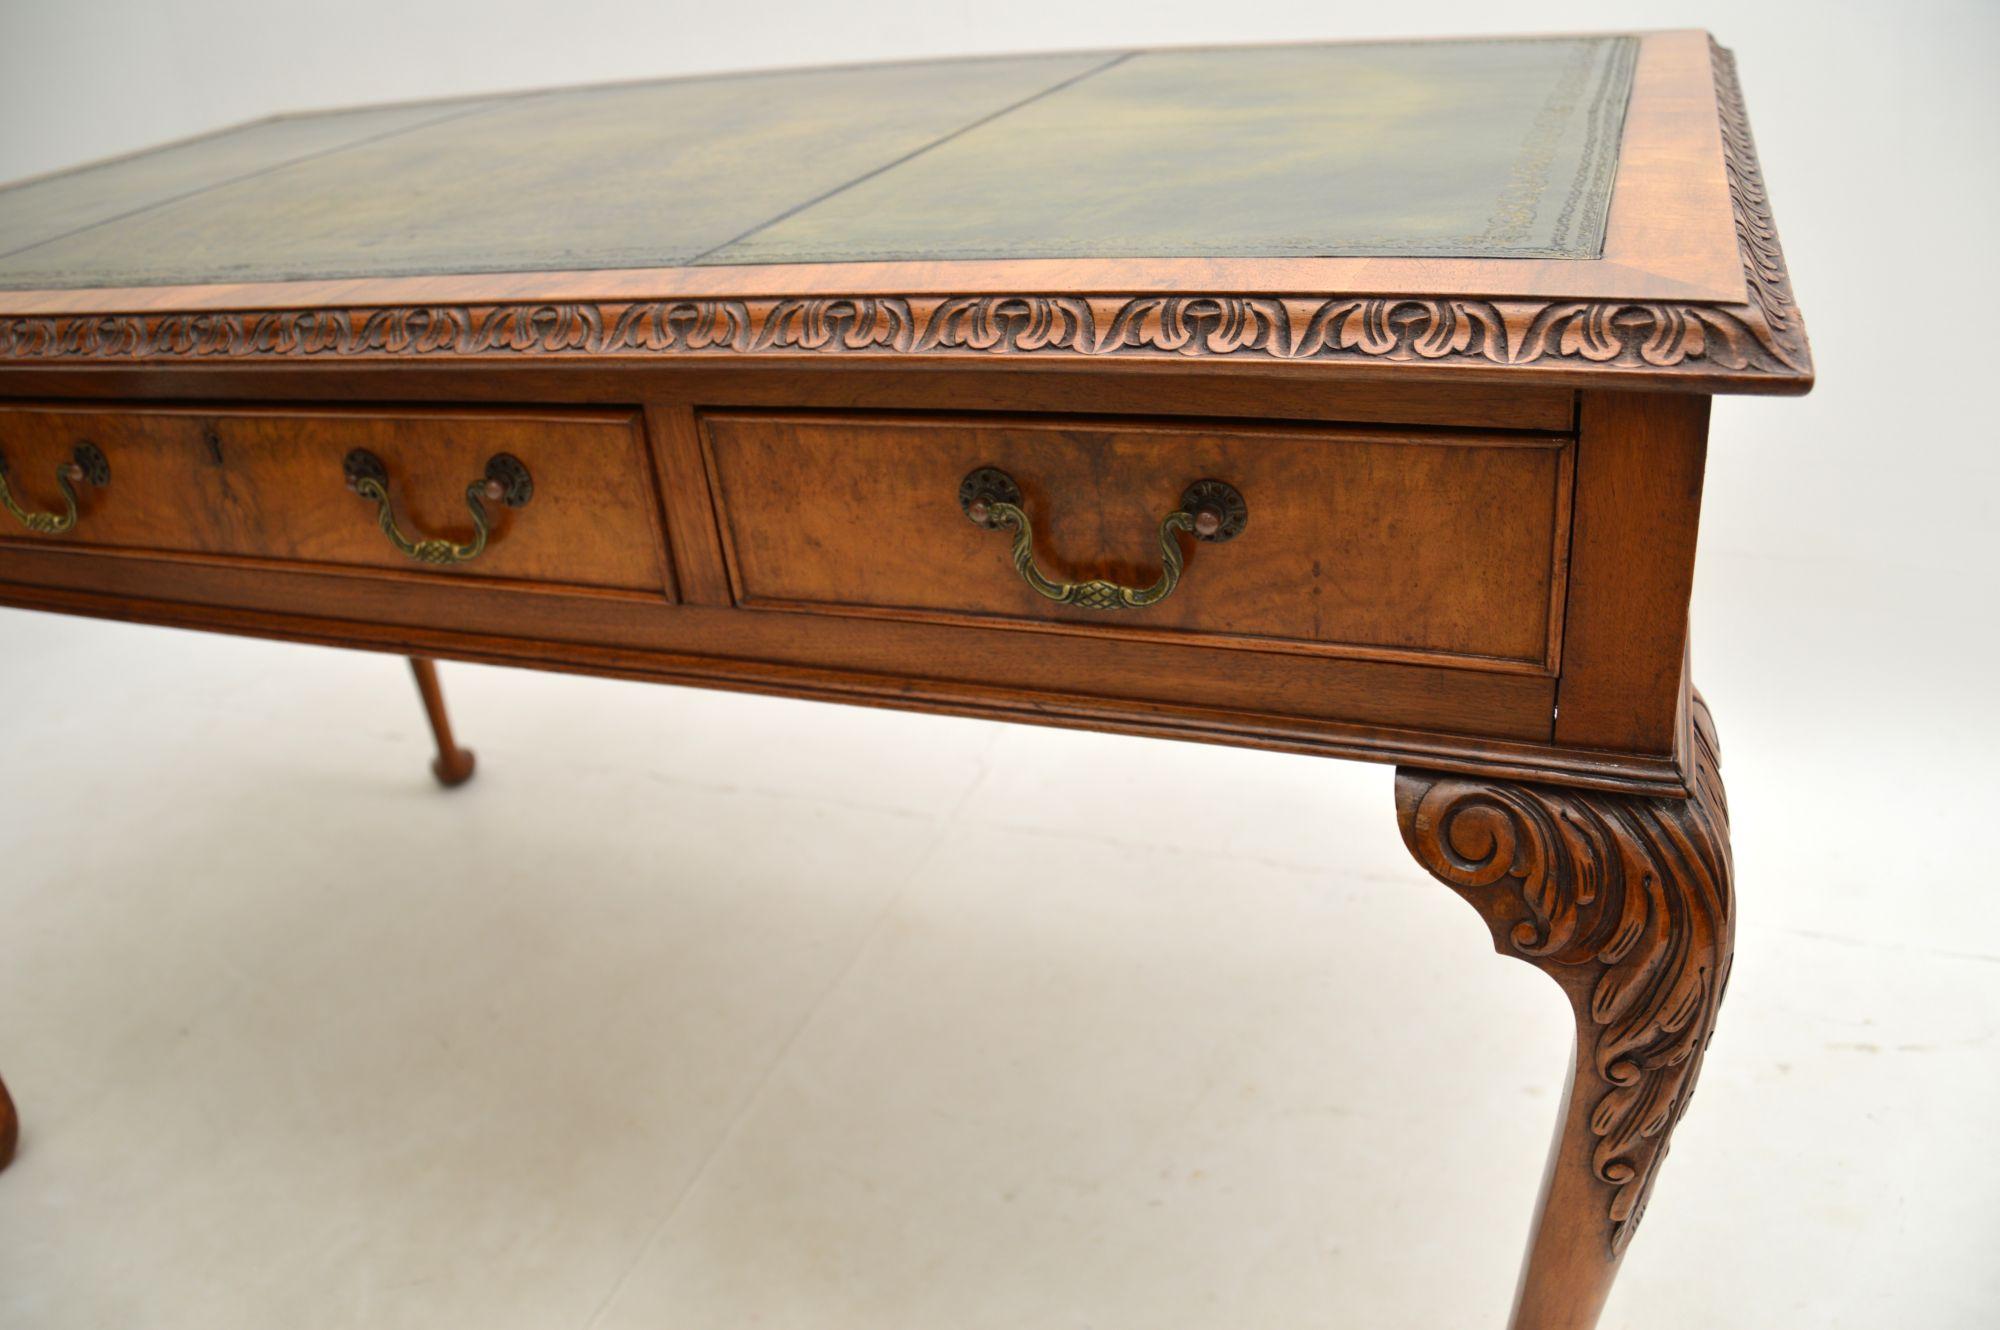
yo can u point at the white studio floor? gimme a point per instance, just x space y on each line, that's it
713 1011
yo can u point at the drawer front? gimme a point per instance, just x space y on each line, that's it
273 484
1426 545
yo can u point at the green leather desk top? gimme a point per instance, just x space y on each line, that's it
1498 148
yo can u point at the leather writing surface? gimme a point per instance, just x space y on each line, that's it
1490 148
619 176
92 195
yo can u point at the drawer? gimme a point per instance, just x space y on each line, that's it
1437 546
273 484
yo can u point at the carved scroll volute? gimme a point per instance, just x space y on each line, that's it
1626 901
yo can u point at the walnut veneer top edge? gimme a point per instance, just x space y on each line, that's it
1687 296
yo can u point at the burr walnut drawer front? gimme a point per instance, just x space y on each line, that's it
547 496
1444 546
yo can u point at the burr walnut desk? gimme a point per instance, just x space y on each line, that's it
1334 399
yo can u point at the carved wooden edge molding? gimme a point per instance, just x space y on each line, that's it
1759 341
1764 273
1627 901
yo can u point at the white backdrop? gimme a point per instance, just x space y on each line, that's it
1846 596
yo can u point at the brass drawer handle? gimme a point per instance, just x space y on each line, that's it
1210 510
506 481
86 464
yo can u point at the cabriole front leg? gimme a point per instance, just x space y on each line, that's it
1626 902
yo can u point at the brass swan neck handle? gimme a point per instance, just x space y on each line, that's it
1211 510
86 464
506 481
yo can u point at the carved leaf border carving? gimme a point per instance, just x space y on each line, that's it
1629 903
1758 339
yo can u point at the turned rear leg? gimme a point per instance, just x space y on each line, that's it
453 765
10 1127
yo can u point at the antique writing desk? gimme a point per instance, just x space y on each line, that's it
1343 399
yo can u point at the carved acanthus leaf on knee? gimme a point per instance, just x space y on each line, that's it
1626 901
